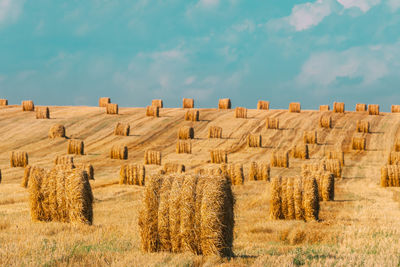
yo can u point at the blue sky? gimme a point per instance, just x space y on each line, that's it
315 52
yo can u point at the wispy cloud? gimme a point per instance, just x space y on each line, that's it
363 5
10 10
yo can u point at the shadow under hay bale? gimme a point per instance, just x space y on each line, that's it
224 103
18 159
361 107
28 105
324 108
3 102
57 130
112 109
103 101
218 156
373 109
76 147
132 174
272 123
254 140
241 113
294 107
192 115
119 152
280 159
122 129
259 172
183 147
300 151
338 107
152 111
358 143
310 137
188 103
362 126
152 157
214 132
157 103
263 105
325 121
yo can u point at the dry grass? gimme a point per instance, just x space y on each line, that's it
76 147
218 156
112 109
254 140
3 102
263 105
300 151
132 174
119 152
192 115
361 107
310 137
184 147
295 107
280 159
324 108
157 103
188 103
186 132
373 109
395 109
170 168
362 126
103 101
18 159
122 129
259 171
338 107
57 130
358 143
241 113
28 105
224 103
152 111
272 123
152 157
42 113
214 132
325 121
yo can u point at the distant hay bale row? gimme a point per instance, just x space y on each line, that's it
224 103
259 171
358 143
280 159
61 160
28 105
395 109
18 159
157 103
60 196
187 213
3 102
294 198
132 174
170 168
324 108
394 158
330 154
361 107
186 132
152 157
122 129
76 147
254 140
183 147
263 105
214 132
218 156
331 165
325 121
373 109
295 107
188 103
272 123
234 172
362 126
103 101
152 111
119 152
42 113
390 176
310 137
326 184
241 112
192 115
57 130
338 107
112 109
300 151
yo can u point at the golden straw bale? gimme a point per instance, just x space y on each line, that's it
254 140
373 109
186 132
290 203
192 115
234 172
358 143
175 203
327 186
76 147
361 107
264 105
112 108
157 103
183 147
188 103
396 146
394 158
219 156
275 207
122 129
28 105
395 109
214 132
188 213
57 130
60 160
310 137
284 199
324 108
152 111
310 199
241 113
132 174
325 121
27 174
280 159
272 123
259 172
331 154
300 151
103 101
88 168
392 173
362 126
42 113
332 165
173 168
338 107
298 198
164 234
152 157
385 176
18 159
295 107
224 103
3 102
119 152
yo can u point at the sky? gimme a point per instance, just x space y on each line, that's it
313 52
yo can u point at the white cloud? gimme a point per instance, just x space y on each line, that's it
10 10
364 5
246 25
307 15
394 4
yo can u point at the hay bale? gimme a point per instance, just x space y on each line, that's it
294 107
219 156
28 105
152 111
395 109
224 103
173 168
241 113
188 103
76 147
325 121
331 154
396 146
103 101
361 107
280 159
18 159
384 176
259 172
327 187
324 108
152 157
175 203
112 109
284 199
57 130
275 207
310 137
164 234
338 107
272 123
132 174
62 160
362 126
358 143
192 115
214 132
394 158
310 199
254 140
373 109
183 147
27 174
186 132
119 152
122 129
298 198
88 168
234 172
188 213
263 105
42 113
290 203
300 151
3 102
157 103
333 166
